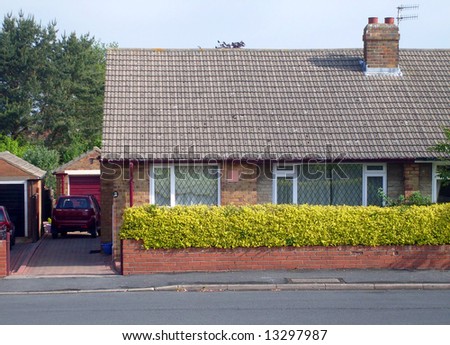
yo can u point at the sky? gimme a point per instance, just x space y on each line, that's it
261 24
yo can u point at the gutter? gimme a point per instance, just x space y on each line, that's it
131 168
261 160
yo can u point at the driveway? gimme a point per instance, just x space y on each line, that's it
76 254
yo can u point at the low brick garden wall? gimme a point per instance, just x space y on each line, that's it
137 260
4 258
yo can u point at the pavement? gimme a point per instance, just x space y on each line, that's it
76 265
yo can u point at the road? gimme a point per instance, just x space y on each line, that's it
229 308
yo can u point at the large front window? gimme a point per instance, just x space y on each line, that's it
441 186
172 185
329 184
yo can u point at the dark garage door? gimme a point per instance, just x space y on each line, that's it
12 197
85 185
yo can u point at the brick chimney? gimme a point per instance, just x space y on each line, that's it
381 47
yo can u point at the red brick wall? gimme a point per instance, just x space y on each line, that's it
116 179
88 161
139 261
239 184
4 258
381 45
8 170
411 174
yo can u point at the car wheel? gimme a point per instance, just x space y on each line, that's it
93 231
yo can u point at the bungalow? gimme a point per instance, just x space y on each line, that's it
244 126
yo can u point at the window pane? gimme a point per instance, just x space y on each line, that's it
347 184
331 184
443 192
374 183
313 185
285 168
162 186
196 185
375 168
443 170
284 190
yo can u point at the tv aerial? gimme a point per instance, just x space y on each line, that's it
402 8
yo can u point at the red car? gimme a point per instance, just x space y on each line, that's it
76 213
5 223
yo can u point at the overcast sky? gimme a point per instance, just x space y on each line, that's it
293 24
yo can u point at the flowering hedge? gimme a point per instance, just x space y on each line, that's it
285 225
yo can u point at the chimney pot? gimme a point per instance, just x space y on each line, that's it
373 20
389 20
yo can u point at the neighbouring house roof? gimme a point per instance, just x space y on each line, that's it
95 152
303 103
23 165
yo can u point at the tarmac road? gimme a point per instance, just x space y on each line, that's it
399 307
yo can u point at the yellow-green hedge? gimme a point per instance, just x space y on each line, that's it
286 225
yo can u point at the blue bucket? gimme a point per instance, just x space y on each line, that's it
107 248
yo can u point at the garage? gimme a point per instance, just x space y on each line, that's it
13 198
88 184
21 192
80 176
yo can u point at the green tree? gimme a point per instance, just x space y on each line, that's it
443 148
51 89
25 47
73 119
13 146
44 159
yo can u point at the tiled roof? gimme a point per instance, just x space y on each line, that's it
61 169
22 164
300 103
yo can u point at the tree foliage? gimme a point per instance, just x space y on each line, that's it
25 50
44 158
51 88
13 146
443 148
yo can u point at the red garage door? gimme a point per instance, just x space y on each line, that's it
82 185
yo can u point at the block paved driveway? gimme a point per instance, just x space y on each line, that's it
76 254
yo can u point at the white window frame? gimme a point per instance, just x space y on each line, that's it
284 173
171 168
373 173
435 178
293 173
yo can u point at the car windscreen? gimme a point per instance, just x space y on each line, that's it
69 203
2 217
